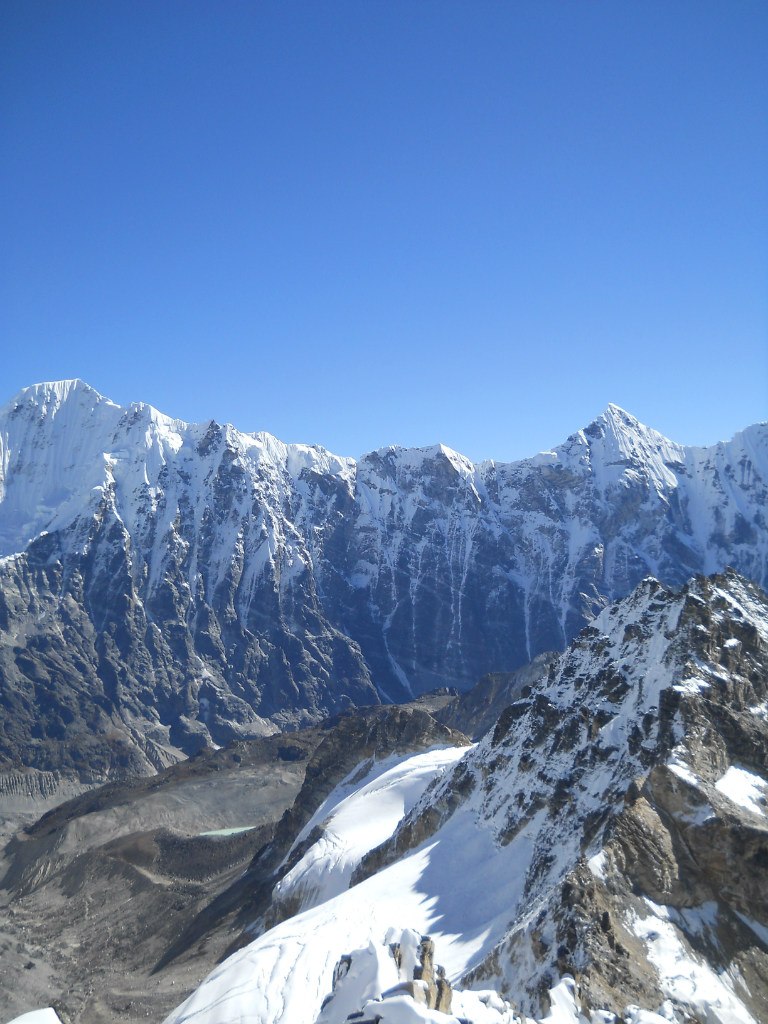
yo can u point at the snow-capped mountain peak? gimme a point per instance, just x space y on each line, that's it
621 450
51 395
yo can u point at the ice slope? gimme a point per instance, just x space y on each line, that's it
52 460
481 855
359 815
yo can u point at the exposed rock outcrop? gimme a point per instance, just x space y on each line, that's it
416 979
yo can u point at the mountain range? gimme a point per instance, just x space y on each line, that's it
167 586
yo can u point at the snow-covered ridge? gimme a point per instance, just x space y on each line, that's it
62 445
59 441
361 813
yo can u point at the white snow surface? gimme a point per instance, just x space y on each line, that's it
45 1016
744 788
597 865
228 831
564 1008
635 1015
359 815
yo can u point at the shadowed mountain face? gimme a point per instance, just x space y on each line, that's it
165 585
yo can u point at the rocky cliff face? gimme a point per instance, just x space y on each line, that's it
165 585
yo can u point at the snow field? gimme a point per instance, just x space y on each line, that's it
357 817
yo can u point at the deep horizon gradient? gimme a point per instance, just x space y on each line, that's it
368 223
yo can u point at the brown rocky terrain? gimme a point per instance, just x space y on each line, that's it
116 904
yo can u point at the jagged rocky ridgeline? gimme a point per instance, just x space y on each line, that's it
166 585
612 828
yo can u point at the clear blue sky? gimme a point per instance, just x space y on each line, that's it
363 222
